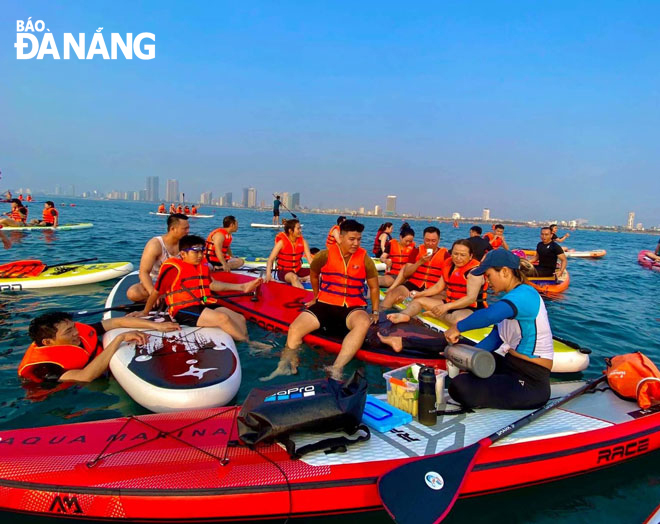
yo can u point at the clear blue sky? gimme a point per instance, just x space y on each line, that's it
533 109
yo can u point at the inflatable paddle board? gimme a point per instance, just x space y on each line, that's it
569 356
61 227
550 286
192 368
69 275
644 260
653 518
260 262
595 253
189 216
189 466
267 226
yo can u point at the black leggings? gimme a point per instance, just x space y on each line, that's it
516 384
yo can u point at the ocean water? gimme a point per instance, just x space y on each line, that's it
611 307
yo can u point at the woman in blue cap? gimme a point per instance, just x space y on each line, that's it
522 329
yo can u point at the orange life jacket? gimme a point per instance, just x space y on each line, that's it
342 282
16 214
194 210
494 240
186 210
20 197
290 256
67 357
179 209
429 273
399 256
210 247
456 281
331 241
161 209
191 287
29 198
49 215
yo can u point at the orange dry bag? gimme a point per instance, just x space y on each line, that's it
634 376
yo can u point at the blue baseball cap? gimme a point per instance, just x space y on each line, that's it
497 258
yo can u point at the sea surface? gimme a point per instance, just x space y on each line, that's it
611 307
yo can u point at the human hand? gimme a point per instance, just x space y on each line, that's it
164 327
134 336
452 335
310 303
226 268
439 310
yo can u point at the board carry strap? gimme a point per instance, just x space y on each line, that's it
330 445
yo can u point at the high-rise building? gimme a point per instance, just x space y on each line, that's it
390 206
485 214
227 200
631 219
152 188
206 198
295 201
286 199
72 190
172 190
377 210
245 196
142 194
251 197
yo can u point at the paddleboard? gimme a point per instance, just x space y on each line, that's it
69 275
188 466
569 356
61 227
644 260
192 368
595 253
267 226
259 262
653 518
189 216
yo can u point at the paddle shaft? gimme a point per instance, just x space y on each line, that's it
71 263
282 204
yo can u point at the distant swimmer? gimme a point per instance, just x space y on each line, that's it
63 350
276 210
399 252
17 216
161 208
553 230
186 284
218 246
333 234
172 209
423 273
338 276
156 251
548 252
382 241
50 216
480 246
193 210
496 238
289 248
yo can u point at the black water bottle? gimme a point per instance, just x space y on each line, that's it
426 403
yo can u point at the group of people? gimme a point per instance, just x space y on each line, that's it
183 209
17 216
177 267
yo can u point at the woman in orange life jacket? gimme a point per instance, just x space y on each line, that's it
161 208
62 350
399 252
17 215
193 210
218 246
179 209
338 309
50 216
381 242
186 210
496 238
186 284
465 293
333 234
423 273
289 248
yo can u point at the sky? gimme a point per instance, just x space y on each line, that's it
536 110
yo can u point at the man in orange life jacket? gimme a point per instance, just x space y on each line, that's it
218 246
333 234
17 215
496 238
63 350
338 275
425 272
186 283
50 216
161 208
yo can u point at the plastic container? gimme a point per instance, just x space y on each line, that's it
403 394
382 417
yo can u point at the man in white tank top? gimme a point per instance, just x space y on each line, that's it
156 251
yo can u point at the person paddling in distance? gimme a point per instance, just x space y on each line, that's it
50 216
465 293
156 251
496 238
63 350
289 248
522 330
276 210
218 246
423 273
186 284
553 230
548 252
333 234
399 252
338 275
17 216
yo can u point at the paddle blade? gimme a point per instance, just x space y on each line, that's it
424 491
22 268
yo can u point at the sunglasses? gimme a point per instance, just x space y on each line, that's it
196 249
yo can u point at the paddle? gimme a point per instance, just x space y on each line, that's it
282 204
125 307
32 268
425 490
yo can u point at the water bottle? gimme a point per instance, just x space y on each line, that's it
426 400
478 361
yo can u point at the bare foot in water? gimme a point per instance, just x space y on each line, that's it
288 365
396 343
398 318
